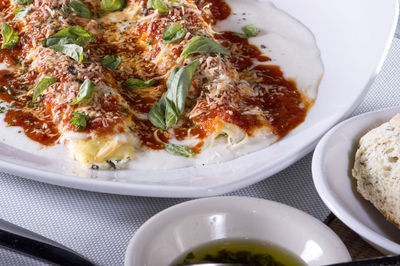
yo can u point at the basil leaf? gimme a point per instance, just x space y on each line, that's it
166 112
72 50
10 37
80 9
23 2
202 44
157 114
174 33
21 12
158 5
133 84
71 35
111 61
85 92
43 84
179 150
248 31
79 120
112 5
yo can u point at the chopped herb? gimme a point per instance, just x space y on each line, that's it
111 61
85 92
168 110
10 37
23 2
79 120
173 33
149 42
158 5
43 84
111 164
21 12
179 150
202 44
80 9
248 31
65 9
133 84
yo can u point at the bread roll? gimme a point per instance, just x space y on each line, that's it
377 168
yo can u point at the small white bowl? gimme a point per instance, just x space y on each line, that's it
175 230
331 167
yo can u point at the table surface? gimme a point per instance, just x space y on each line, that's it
99 226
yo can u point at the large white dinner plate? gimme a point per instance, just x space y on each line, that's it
353 36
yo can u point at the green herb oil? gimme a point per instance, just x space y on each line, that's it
239 250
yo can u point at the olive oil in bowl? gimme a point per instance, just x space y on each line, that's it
239 250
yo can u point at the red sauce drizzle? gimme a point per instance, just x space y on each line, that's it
33 127
220 10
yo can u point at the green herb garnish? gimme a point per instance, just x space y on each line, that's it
179 150
21 12
133 84
174 33
43 84
168 110
111 61
71 35
248 31
72 50
23 2
10 37
79 120
69 41
158 5
112 5
65 9
85 92
80 9
202 44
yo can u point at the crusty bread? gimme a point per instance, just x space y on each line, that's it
377 168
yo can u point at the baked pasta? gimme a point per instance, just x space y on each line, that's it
112 79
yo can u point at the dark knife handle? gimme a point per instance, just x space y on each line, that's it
380 261
41 250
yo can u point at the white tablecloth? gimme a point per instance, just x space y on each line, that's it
99 226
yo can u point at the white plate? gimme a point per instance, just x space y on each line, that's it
353 36
332 163
187 225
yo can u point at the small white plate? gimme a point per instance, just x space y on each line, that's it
331 167
187 225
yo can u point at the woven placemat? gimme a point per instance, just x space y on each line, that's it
358 248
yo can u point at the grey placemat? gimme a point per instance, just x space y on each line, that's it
99 226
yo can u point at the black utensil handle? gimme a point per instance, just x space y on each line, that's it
41 250
380 261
